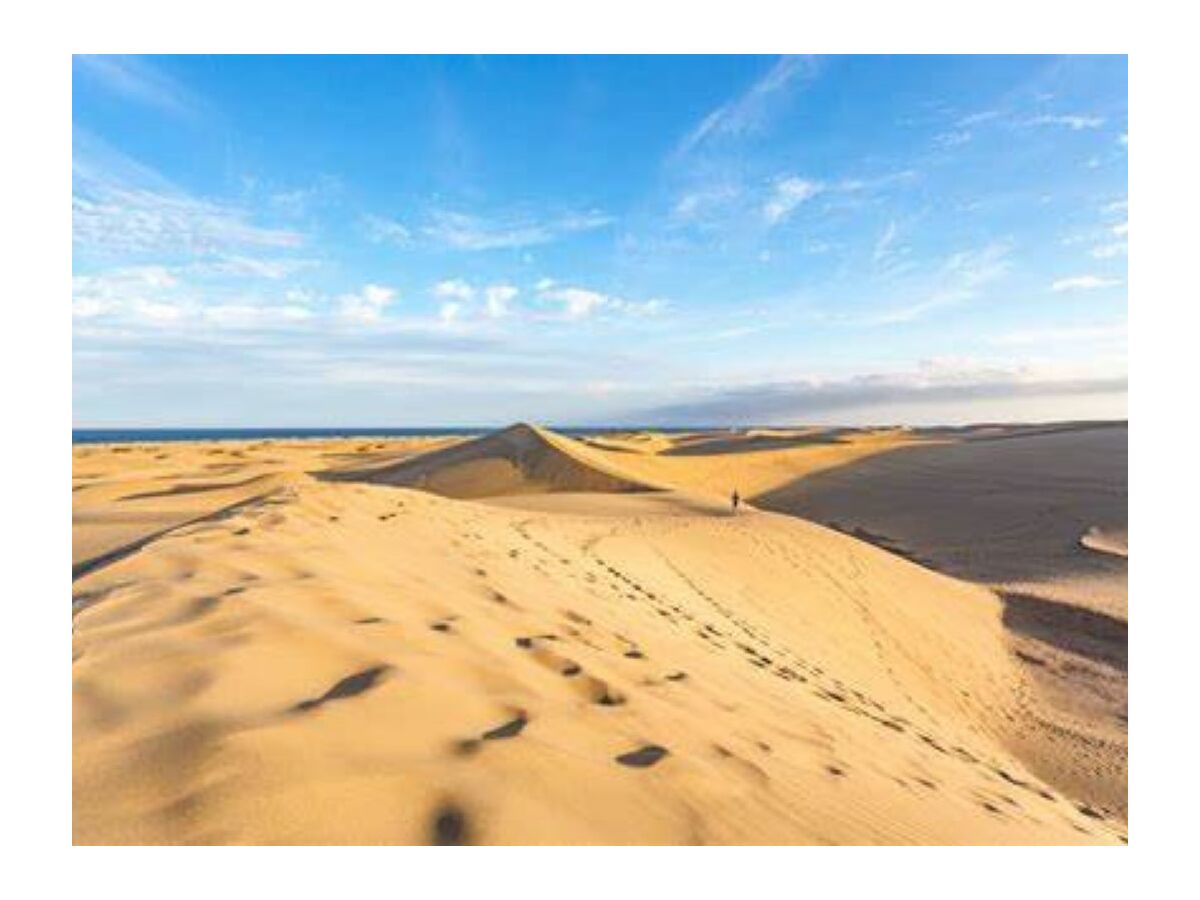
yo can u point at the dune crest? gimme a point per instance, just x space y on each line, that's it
1114 541
520 459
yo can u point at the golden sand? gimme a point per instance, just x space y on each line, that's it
291 642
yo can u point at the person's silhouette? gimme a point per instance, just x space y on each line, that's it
735 500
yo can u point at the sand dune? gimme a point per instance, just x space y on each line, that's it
580 661
1006 507
521 459
753 462
125 495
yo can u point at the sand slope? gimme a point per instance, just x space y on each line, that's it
1038 513
125 495
754 462
356 663
521 459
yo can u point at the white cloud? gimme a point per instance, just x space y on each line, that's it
367 305
749 112
1065 334
1108 251
1083 283
272 269
386 231
979 118
787 194
237 315
157 312
884 244
138 80
959 279
125 289
449 312
580 303
939 384
454 288
1075 123
498 297
952 138
117 218
696 203
468 232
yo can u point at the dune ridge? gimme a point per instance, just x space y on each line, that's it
520 459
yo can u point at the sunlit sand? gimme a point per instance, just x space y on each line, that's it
524 638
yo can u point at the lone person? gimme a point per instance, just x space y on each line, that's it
735 500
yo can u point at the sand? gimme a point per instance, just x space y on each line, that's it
317 650
1039 514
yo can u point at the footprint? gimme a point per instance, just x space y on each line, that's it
643 757
634 654
449 827
509 729
369 620
598 691
677 676
350 686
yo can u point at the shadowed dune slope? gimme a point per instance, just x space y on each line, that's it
353 663
521 459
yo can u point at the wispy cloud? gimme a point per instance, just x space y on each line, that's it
1110 250
274 269
454 289
795 401
1083 283
385 231
749 112
576 303
1073 122
138 79
699 203
369 304
462 231
120 206
1107 332
790 192
959 279
949 139
884 244
786 195
497 298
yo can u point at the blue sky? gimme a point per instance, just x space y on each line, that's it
308 241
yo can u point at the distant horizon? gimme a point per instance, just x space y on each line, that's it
181 433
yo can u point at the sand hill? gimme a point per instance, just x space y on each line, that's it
521 459
344 662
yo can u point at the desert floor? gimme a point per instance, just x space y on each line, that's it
530 639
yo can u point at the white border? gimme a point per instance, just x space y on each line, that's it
35 323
